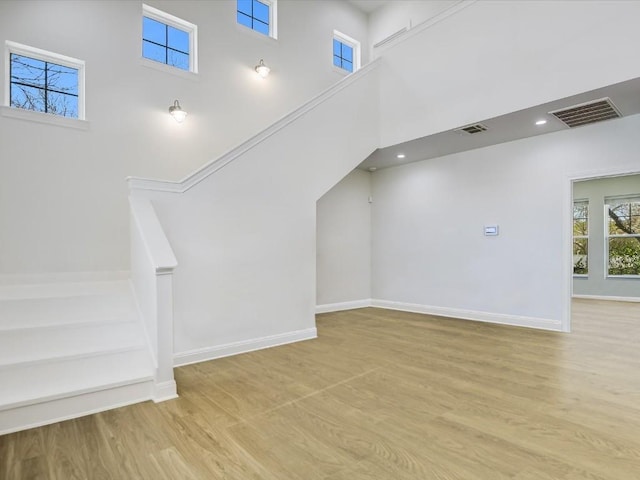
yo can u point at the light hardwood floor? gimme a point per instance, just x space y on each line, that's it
379 395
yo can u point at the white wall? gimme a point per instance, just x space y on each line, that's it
63 198
245 236
428 217
595 191
495 57
343 245
400 14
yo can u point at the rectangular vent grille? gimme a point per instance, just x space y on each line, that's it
472 129
587 113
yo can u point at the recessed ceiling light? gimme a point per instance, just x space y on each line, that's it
372 169
541 122
400 155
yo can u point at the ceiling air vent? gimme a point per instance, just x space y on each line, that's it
586 113
471 129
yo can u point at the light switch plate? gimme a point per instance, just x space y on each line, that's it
491 230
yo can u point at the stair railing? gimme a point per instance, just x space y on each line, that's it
152 264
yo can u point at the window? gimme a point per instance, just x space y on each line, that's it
580 237
623 235
342 55
45 82
258 15
346 52
168 39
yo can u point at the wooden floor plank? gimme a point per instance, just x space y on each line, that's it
379 395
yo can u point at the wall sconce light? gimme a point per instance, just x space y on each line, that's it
262 69
177 112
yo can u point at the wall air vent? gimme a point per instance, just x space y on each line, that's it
472 129
587 113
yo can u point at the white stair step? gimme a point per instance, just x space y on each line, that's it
38 312
70 349
42 344
45 413
48 290
43 382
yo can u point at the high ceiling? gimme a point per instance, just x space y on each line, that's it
513 126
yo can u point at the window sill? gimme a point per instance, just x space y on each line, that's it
162 67
40 117
632 277
580 275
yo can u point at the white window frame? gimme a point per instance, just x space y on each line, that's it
607 236
586 237
353 43
273 20
45 56
179 23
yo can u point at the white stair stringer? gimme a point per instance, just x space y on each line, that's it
68 350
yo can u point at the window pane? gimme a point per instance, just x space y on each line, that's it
580 218
178 40
624 256
261 12
580 256
62 79
337 61
61 104
154 52
27 70
178 59
154 31
347 53
261 27
580 209
244 6
348 66
623 220
336 48
580 227
244 20
29 98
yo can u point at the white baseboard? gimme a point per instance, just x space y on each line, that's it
218 351
165 391
338 307
499 318
609 298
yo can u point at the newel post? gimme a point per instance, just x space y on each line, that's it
165 384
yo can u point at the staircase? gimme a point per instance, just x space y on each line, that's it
68 350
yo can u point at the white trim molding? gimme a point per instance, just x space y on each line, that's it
341 306
608 298
41 117
411 30
164 391
497 318
181 359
